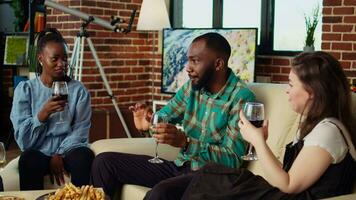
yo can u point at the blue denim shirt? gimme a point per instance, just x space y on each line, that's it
50 137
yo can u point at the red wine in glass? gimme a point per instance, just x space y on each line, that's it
60 90
254 113
61 96
257 123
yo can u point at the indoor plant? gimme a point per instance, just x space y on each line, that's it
311 22
19 7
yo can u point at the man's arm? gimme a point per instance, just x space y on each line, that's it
174 109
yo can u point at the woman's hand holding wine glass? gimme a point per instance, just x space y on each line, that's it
60 92
251 121
54 104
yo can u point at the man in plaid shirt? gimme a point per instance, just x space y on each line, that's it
207 106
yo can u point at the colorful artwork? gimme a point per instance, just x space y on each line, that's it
176 43
16 50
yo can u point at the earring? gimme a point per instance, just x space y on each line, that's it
41 63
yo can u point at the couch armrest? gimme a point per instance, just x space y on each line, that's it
142 146
10 176
343 197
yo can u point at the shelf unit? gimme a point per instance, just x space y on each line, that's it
6 99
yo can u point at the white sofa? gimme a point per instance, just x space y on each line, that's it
282 127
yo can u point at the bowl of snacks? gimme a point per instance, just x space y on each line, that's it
70 191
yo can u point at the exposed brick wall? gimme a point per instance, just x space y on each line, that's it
6 81
276 67
126 58
131 65
339 33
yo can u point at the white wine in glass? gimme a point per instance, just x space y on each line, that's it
2 156
254 113
157 118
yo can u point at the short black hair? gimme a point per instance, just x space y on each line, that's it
216 42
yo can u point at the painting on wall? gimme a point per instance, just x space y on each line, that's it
176 43
15 50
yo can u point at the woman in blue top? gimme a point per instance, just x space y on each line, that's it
48 147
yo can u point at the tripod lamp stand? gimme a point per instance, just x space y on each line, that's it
76 61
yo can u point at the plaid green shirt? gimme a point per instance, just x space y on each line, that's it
210 120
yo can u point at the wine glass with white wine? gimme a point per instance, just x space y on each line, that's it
157 118
2 156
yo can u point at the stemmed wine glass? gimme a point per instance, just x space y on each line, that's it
2 156
60 88
157 118
254 113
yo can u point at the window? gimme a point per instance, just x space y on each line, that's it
289 32
193 20
242 13
280 22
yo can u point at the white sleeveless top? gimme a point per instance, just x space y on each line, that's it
327 135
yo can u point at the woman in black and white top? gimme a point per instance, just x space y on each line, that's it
319 163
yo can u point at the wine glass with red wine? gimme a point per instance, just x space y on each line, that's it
60 90
254 113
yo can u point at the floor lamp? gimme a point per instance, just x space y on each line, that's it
153 17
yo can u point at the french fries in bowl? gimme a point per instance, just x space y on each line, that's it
70 191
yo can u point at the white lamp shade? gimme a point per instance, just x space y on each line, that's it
153 15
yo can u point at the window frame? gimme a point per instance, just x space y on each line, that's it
267 24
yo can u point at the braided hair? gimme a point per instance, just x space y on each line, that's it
43 38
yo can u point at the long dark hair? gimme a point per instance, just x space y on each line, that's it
44 37
322 76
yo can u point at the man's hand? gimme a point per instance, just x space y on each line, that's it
54 104
142 116
57 170
169 134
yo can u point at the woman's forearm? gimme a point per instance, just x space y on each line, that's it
272 168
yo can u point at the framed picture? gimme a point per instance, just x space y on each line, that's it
176 43
16 47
